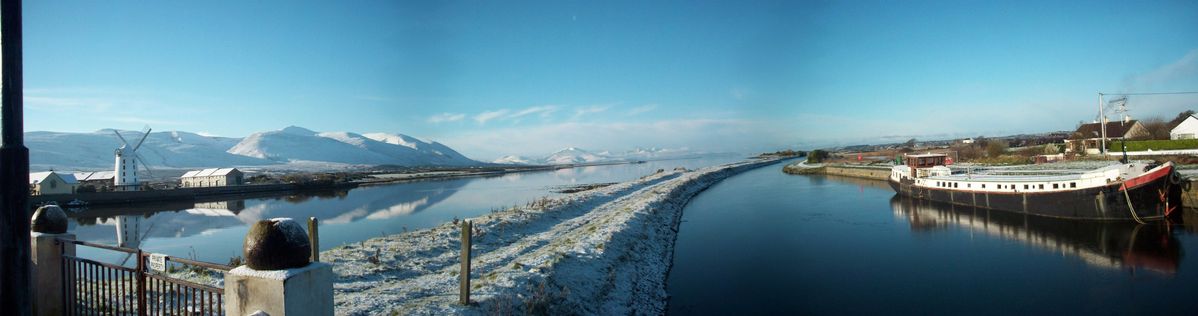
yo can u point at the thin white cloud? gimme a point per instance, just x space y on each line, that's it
1186 67
588 110
544 111
142 120
739 93
446 117
712 135
483 117
374 98
642 109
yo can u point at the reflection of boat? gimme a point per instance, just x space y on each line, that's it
1103 244
1128 191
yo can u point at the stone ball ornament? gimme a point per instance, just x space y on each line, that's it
49 219
276 244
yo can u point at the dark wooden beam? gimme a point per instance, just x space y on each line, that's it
14 170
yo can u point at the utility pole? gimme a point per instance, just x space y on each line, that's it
14 169
1102 124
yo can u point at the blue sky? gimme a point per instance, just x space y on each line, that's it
496 77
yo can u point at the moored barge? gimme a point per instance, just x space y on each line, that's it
1126 191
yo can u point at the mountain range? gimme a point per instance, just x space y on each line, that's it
574 155
288 146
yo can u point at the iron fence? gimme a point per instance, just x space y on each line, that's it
97 288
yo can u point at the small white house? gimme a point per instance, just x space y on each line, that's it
213 177
51 182
1188 129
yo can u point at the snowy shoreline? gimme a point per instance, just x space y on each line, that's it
600 251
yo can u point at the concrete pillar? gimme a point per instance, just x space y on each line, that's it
47 271
306 290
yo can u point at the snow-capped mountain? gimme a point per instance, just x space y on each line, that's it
300 144
516 160
180 150
66 151
573 155
437 152
655 153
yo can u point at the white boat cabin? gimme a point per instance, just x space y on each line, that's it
929 171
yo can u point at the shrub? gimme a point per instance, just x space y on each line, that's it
816 156
1143 145
86 188
995 148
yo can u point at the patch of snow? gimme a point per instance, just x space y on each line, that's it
601 251
279 275
291 229
515 160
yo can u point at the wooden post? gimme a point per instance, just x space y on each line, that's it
314 238
141 284
464 276
15 258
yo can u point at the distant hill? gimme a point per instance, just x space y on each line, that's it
575 155
288 146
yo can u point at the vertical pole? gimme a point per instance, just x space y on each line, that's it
464 276
314 238
141 284
15 262
1102 125
65 277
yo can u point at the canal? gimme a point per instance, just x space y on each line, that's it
764 242
214 231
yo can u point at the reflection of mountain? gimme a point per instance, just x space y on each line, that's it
372 203
1104 244
138 225
377 202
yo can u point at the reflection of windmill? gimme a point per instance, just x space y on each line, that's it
129 233
125 174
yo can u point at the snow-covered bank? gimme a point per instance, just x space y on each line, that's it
601 251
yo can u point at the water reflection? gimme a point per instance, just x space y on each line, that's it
1115 245
214 230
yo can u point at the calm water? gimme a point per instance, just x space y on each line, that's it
214 231
764 242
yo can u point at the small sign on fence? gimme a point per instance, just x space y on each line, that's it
158 262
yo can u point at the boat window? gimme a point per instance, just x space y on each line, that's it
968 185
1054 185
1025 187
1041 186
1072 184
983 185
955 184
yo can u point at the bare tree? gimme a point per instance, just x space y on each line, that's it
1157 128
1180 117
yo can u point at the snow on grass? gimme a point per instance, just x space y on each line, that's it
601 251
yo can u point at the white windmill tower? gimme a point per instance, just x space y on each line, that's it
125 175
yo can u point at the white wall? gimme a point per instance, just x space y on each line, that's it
1188 129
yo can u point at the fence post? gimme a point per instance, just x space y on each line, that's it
278 277
314 238
464 276
49 224
141 284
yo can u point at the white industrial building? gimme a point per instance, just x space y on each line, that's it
213 177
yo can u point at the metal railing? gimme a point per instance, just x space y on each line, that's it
97 288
